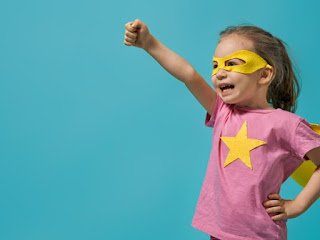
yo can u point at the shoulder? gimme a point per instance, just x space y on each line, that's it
301 132
287 118
288 114
219 112
283 125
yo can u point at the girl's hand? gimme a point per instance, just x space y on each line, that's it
281 209
137 34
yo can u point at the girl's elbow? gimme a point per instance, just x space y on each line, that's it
191 75
314 156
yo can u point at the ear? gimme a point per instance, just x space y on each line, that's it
266 76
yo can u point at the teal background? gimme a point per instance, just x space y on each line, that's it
97 141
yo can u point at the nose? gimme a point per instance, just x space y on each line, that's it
221 74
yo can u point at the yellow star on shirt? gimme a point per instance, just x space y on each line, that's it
240 146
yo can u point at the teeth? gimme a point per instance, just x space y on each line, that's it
225 86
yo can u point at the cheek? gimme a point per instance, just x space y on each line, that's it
214 79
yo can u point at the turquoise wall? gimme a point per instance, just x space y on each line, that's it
97 140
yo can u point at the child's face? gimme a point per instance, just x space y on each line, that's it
234 87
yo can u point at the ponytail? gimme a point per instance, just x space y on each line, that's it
284 89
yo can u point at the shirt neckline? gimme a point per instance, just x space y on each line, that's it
258 110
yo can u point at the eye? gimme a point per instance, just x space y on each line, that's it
231 63
215 65
234 62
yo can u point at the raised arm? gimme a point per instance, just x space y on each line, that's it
137 34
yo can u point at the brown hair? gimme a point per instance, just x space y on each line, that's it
284 88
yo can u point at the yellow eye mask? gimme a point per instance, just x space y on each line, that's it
252 62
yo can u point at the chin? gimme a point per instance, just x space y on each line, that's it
228 100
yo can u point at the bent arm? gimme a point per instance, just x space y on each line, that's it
311 192
183 71
281 209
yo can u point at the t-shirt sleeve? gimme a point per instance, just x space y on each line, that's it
305 139
210 119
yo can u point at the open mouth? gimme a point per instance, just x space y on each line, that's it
224 87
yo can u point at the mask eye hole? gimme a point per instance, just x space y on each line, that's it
234 62
215 65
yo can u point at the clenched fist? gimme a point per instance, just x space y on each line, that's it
137 34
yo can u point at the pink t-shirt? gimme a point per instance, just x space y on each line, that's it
238 180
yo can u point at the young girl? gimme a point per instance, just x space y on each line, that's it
257 141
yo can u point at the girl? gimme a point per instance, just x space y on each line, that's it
257 141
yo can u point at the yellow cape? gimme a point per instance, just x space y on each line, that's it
303 173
